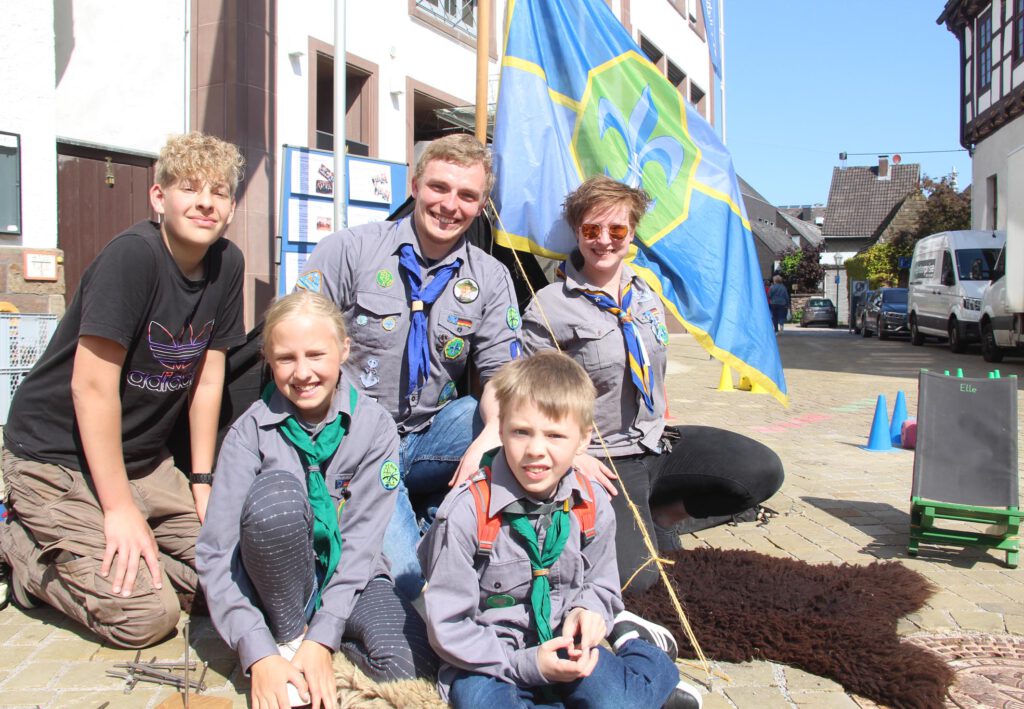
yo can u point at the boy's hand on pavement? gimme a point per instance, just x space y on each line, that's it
128 537
314 661
270 677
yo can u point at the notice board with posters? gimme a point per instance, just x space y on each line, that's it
376 188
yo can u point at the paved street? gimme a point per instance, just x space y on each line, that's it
839 504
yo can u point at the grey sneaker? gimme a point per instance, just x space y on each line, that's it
629 626
684 696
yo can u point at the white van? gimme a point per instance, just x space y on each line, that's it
948 278
1002 330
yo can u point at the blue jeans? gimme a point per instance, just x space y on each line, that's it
640 676
428 460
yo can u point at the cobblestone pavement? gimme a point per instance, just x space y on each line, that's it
839 503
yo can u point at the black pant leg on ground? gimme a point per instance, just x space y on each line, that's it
385 637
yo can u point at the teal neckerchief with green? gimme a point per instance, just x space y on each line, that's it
540 559
326 532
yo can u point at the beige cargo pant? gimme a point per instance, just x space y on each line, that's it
54 542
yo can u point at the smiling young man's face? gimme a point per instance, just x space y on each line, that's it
448 197
539 449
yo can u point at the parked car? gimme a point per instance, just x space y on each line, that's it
862 303
885 314
819 311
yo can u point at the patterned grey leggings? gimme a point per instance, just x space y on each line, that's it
384 636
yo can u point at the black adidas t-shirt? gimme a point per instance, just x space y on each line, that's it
134 294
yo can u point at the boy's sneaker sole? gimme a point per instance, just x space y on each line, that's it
684 696
629 626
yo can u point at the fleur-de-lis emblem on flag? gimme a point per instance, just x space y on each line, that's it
664 150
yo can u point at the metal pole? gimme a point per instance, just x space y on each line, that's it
340 102
483 33
721 49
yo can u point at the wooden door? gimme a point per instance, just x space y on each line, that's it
99 195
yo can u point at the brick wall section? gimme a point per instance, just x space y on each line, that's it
30 296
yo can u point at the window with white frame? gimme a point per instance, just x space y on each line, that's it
10 183
459 14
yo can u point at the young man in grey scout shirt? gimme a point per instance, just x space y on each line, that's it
420 303
522 580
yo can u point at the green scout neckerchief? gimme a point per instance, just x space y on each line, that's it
540 560
326 532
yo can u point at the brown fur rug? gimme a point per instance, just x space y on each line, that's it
832 621
355 689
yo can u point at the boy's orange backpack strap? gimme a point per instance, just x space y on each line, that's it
486 527
586 510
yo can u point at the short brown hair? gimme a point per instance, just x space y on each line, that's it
601 193
197 155
302 302
554 382
459 148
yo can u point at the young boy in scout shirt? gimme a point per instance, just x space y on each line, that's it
420 303
522 584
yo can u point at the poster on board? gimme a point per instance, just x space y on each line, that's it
369 182
309 220
312 174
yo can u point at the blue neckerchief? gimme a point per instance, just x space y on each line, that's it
639 367
417 347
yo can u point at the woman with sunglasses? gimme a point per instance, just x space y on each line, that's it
608 319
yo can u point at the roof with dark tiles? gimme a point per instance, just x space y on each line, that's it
858 202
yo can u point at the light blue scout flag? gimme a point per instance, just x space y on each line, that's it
578 99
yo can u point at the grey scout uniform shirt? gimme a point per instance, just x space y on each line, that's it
368 453
593 338
502 642
475 317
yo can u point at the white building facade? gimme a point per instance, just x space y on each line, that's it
93 88
991 38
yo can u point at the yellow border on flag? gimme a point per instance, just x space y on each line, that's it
707 342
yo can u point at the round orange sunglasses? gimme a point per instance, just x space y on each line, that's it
616 232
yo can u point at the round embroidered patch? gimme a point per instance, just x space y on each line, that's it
512 318
389 475
662 332
466 290
454 347
384 278
500 600
447 394
389 323
361 319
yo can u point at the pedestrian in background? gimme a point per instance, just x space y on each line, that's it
778 302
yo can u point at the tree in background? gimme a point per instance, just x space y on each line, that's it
945 210
802 267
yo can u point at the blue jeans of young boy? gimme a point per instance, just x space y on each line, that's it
641 676
428 460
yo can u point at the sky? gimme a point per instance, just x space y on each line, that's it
808 79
